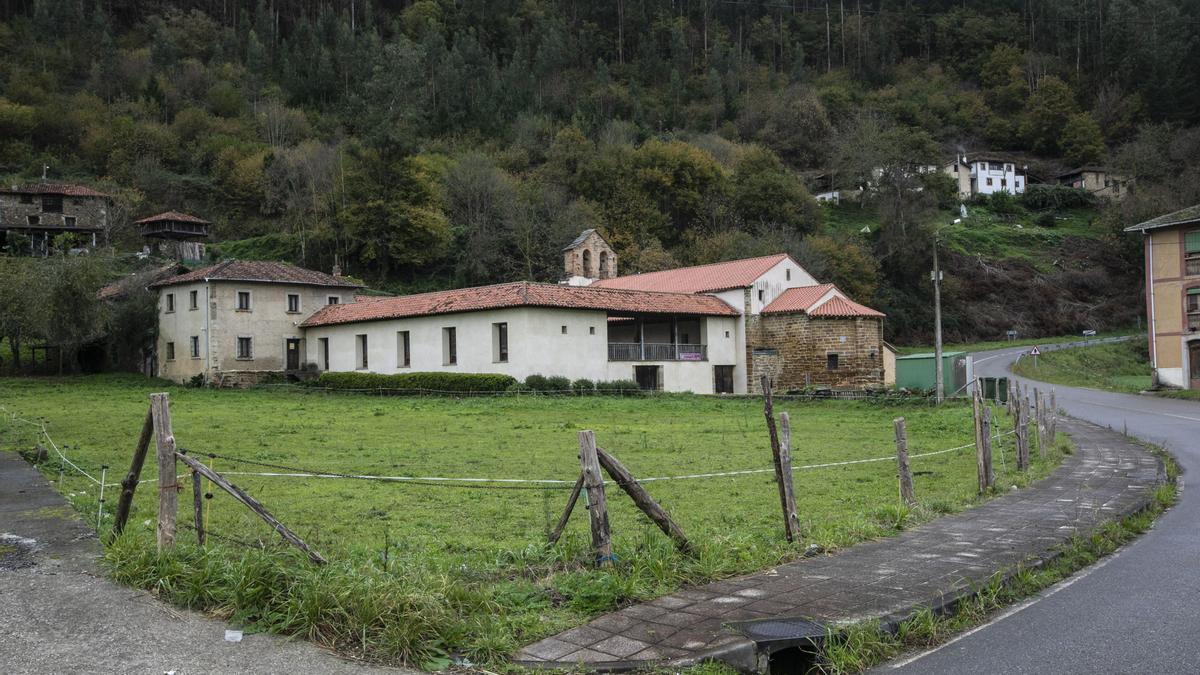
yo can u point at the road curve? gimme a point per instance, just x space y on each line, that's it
1136 612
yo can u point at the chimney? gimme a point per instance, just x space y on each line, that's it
337 270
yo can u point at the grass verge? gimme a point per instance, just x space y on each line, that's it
423 574
973 347
1115 366
867 644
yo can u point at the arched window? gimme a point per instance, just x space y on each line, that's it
587 263
604 271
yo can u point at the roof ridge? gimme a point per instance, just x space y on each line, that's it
712 264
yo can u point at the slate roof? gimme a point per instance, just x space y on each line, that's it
807 300
258 271
56 189
172 216
520 294
700 279
580 239
1181 217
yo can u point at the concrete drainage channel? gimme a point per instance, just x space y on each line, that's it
788 645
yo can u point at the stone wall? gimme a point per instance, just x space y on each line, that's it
87 212
793 351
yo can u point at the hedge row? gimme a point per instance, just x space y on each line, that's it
558 384
447 382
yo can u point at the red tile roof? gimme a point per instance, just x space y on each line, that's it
521 294
261 271
172 216
806 299
56 189
700 279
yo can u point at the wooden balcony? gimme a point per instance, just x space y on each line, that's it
656 351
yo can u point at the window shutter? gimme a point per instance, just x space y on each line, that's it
1193 291
1191 242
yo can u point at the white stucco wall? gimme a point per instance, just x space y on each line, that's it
536 343
784 275
178 327
1013 183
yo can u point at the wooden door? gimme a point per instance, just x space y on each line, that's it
293 354
1194 364
723 379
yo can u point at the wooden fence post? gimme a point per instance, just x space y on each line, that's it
252 504
1040 402
625 480
1019 436
785 474
164 443
773 434
1053 418
130 482
906 484
566 514
198 507
593 482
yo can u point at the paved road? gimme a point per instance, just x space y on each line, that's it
58 614
1134 613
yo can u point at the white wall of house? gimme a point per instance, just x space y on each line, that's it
177 327
992 177
571 343
784 275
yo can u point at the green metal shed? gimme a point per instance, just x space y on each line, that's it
916 371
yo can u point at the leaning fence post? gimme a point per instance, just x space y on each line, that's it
566 514
906 484
164 442
1019 438
985 478
625 480
977 418
593 482
130 482
773 434
785 474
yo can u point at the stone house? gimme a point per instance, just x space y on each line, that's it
1098 181
236 321
31 216
1172 250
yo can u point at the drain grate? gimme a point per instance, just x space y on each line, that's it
791 630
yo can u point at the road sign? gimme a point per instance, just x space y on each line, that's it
1089 333
1035 351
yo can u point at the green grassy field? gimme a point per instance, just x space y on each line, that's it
422 572
1005 344
1120 366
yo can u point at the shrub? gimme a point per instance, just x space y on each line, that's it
1046 220
536 382
519 388
558 383
1040 197
437 382
619 388
583 386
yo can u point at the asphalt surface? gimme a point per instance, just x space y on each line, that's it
1135 612
58 614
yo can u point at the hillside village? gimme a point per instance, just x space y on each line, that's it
510 336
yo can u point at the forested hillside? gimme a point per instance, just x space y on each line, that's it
435 143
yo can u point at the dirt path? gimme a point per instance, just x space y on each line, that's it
59 614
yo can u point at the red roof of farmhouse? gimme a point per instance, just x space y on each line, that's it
56 189
807 299
700 279
520 294
259 271
172 216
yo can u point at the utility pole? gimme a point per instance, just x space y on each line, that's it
939 386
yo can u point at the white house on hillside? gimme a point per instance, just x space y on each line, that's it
986 174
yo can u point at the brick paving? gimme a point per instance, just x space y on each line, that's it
1108 477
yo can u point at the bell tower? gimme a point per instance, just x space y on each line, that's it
589 258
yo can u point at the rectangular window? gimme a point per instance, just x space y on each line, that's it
787 274
591 330
193 299
564 330
360 351
170 302
323 346
170 351
1191 253
500 342
449 346
831 361
245 348
243 301
1193 309
332 300
761 294
403 350
195 345
293 303
33 220
69 221
52 203
989 182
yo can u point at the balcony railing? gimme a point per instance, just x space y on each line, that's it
652 351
